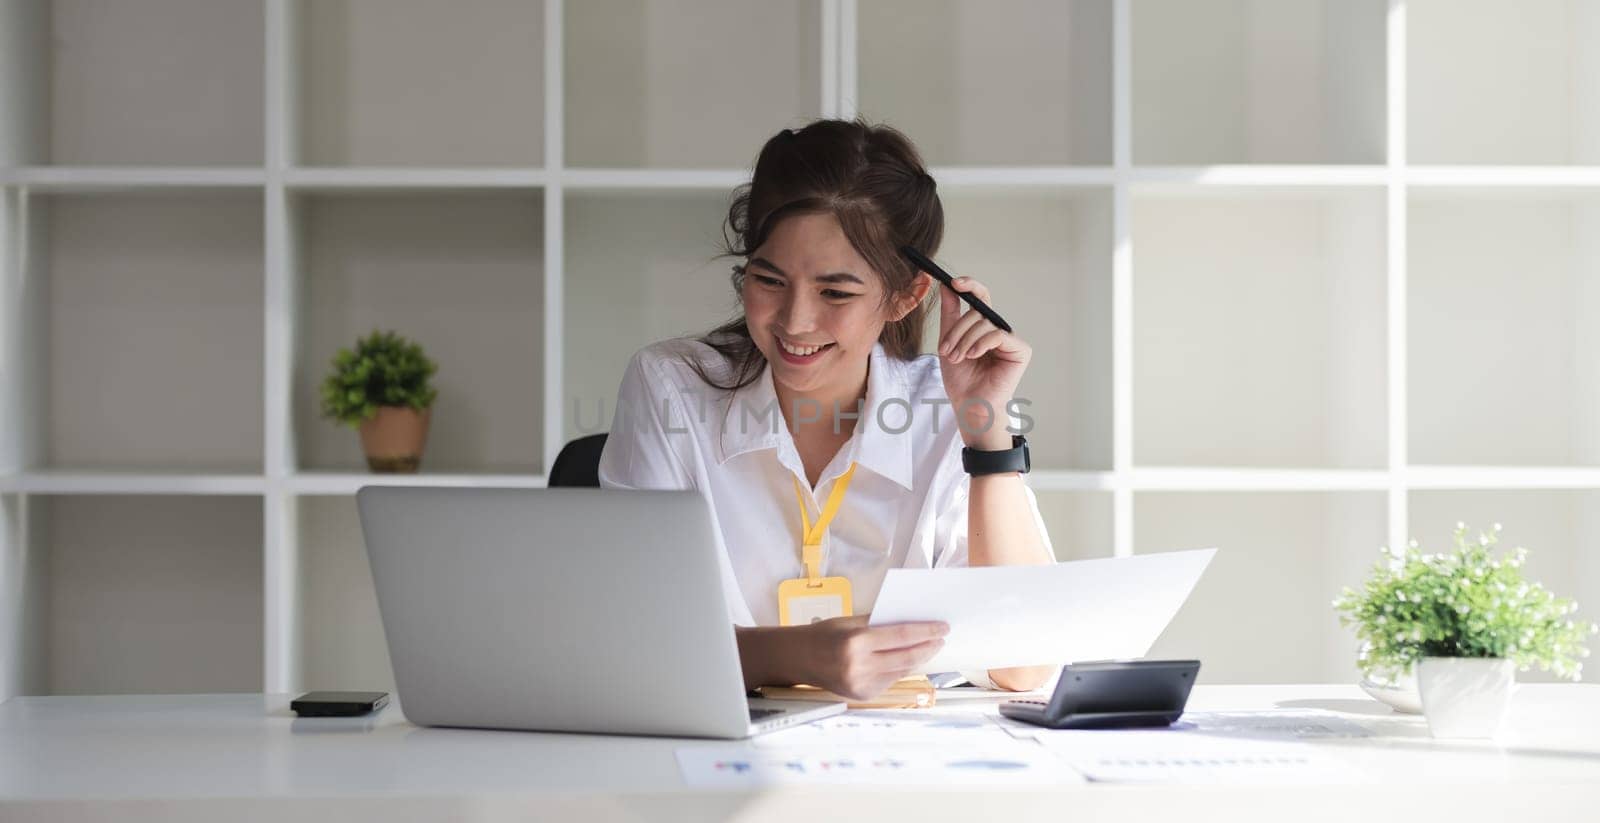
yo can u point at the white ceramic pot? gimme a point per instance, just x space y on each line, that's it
1465 696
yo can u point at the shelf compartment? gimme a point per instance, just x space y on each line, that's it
83 482
1261 613
1040 67
721 180
1503 302
153 331
348 483
459 273
1502 477
1502 83
24 660
101 179
1261 175
341 644
1207 479
1560 529
949 177
1558 177
148 594
636 96
1258 81
1259 325
640 268
106 67
1045 255
1071 481
371 179
417 83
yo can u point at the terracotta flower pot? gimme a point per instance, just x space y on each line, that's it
393 440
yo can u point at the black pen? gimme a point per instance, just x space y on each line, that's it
944 277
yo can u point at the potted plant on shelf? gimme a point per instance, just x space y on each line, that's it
1466 621
383 389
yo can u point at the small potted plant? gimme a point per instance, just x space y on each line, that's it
382 388
1466 620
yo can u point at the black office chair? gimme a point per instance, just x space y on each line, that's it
578 464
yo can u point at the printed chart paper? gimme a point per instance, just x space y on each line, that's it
890 727
1175 756
878 747
736 767
1271 724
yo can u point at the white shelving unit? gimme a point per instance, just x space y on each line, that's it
1304 277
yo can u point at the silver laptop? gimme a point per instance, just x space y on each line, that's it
574 610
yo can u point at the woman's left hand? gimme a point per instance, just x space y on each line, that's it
982 365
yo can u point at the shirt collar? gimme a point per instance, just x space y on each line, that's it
753 421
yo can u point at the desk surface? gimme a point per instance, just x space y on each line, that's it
177 756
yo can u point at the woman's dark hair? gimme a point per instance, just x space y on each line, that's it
869 177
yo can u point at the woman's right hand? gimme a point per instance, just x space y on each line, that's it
851 659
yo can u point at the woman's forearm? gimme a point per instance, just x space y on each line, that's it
1000 525
1001 531
767 656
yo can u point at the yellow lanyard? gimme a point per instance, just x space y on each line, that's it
811 535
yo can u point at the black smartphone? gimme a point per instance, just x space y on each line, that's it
1111 694
338 704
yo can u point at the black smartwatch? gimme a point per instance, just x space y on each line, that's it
1014 459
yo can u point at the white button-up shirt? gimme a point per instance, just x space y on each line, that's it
906 505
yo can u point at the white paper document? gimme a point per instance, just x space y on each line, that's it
891 727
735 767
887 747
1080 610
1275 724
1270 725
1180 756
973 694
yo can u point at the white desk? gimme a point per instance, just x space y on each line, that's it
246 757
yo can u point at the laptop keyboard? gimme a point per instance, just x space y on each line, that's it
762 714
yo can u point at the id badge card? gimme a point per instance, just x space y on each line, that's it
801 601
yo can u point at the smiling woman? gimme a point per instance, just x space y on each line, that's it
828 343
814 332
871 182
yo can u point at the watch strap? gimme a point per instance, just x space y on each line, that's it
1014 459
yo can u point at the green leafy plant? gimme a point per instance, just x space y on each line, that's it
1468 603
385 369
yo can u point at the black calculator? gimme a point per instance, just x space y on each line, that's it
1111 694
